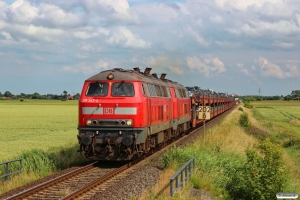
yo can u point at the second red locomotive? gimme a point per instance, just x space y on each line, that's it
124 114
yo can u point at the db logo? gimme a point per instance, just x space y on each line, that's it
108 111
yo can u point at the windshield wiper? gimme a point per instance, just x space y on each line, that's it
120 84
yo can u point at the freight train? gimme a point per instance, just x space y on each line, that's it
124 114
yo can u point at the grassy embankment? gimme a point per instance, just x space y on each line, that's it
224 150
43 133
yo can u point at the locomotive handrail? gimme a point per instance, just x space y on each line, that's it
7 173
188 168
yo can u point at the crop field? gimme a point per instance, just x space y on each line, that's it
36 125
280 113
275 103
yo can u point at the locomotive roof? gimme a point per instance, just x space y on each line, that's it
121 74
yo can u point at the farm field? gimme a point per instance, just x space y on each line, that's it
282 114
36 125
275 103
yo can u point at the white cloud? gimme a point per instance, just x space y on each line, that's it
164 64
197 37
268 69
111 10
82 55
244 5
208 66
57 16
86 68
36 57
91 33
284 45
22 11
6 35
216 19
124 37
86 47
243 69
161 12
259 28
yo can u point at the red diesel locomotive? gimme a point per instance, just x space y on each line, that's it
124 114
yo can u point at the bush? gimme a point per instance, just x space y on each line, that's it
261 176
21 100
247 104
241 109
244 120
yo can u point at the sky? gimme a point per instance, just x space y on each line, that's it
244 47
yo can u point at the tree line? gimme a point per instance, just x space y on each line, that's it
295 95
36 95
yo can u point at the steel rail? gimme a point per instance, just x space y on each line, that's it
90 186
51 182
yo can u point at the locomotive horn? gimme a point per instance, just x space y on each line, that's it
147 70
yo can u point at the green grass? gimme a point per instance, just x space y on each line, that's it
28 126
43 133
38 102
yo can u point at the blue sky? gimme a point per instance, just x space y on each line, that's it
229 46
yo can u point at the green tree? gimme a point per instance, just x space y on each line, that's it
295 93
288 97
36 96
76 96
65 94
1 95
8 94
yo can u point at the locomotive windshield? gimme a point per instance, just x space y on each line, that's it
122 89
97 89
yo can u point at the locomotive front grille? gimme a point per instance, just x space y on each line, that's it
108 123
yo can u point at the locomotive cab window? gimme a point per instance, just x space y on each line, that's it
122 89
97 89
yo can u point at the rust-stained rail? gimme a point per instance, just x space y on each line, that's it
49 183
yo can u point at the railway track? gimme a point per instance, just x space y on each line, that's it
92 179
63 185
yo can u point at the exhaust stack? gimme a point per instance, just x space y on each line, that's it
136 69
147 70
163 76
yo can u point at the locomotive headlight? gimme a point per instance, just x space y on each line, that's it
88 122
129 122
110 76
